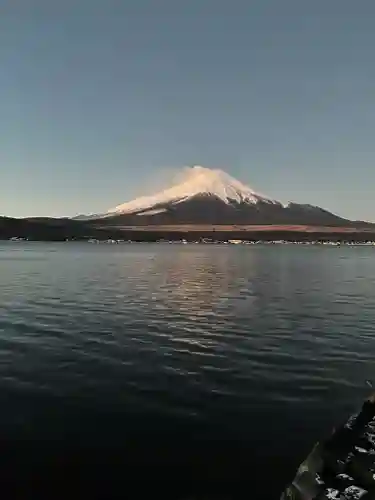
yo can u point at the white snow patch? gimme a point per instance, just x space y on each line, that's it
354 492
360 450
153 212
345 476
332 494
197 181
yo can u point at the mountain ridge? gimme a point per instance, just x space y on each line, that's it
211 196
205 203
197 181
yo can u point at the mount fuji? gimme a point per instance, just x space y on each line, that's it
211 196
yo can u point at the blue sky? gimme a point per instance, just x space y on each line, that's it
100 100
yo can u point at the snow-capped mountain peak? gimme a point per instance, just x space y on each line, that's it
197 181
204 196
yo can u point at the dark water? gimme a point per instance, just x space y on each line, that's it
196 371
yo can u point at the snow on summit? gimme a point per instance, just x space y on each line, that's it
198 181
205 196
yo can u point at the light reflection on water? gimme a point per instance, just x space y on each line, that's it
252 339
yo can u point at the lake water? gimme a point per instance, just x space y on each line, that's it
197 371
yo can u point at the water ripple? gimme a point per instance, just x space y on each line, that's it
197 331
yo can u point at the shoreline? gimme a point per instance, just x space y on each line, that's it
67 229
334 243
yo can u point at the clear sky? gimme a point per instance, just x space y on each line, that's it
100 99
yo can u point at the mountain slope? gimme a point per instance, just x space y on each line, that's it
197 181
211 196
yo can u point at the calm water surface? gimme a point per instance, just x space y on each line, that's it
202 371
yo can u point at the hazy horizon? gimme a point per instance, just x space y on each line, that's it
105 101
